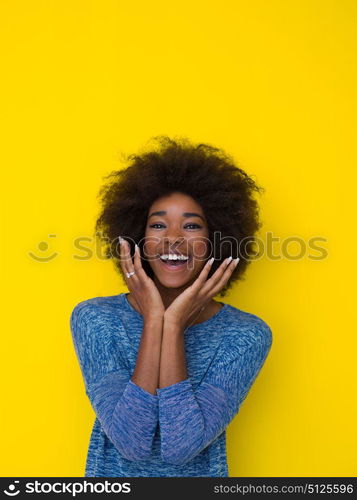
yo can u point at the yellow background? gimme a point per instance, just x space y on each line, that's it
271 82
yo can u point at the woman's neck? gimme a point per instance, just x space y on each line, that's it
168 295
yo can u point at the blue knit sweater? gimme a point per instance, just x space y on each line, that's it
180 431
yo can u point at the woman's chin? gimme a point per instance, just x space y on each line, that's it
174 279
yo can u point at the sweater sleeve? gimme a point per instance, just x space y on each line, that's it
191 419
128 413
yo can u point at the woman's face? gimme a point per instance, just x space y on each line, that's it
176 224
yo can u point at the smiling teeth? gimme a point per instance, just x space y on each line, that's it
173 257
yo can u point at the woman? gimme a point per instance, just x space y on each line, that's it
166 367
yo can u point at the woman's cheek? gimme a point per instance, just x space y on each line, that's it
200 251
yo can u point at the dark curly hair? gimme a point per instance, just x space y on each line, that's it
207 174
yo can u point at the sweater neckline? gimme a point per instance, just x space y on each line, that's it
203 323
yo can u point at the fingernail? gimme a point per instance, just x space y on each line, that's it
236 261
211 261
120 240
229 259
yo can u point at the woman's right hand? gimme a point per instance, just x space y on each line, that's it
142 288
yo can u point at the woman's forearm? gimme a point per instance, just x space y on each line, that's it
173 359
147 368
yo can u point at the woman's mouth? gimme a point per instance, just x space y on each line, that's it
174 264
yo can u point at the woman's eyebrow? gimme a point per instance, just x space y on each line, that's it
185 214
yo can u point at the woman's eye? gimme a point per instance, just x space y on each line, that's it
187 225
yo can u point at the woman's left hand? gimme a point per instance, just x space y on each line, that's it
185 307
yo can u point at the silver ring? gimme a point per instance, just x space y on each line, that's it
129 275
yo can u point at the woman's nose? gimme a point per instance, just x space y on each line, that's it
174 236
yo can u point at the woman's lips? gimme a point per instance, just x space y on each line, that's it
175 267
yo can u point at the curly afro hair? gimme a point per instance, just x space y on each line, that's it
207 174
